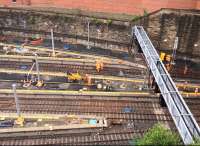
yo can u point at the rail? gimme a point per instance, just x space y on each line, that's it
182 116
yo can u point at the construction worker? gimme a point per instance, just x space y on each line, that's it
88 79
166 59
168 62
99 65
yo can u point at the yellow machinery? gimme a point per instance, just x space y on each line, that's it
166 59
74 77
162 56
27 83
40 83
20 121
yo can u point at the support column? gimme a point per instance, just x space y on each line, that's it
88 43
37 68
52 41
16 99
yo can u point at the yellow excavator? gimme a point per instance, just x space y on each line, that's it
76 77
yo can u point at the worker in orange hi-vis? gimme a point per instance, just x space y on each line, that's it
98 66
89 80
101 64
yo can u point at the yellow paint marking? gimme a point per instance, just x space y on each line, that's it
63 92
61 74
105 59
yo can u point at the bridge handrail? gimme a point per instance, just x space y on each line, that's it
182 116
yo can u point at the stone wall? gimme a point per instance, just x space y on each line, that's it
165 25
106 33
113 33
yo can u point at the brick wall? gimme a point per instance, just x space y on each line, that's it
112 6
162 26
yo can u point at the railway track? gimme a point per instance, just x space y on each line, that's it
133 125
84 69
111 110
190 74
145 111
114 134
57 139
46 52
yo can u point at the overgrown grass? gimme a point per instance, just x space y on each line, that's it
158 135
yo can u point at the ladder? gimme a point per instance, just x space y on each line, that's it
181 115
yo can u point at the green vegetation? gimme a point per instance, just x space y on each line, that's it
145 12
196 142
97 21
159 135
31 20
136 17
101 21
109 22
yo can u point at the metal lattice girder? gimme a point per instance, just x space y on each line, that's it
182 116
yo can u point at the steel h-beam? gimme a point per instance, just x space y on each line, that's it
182 116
